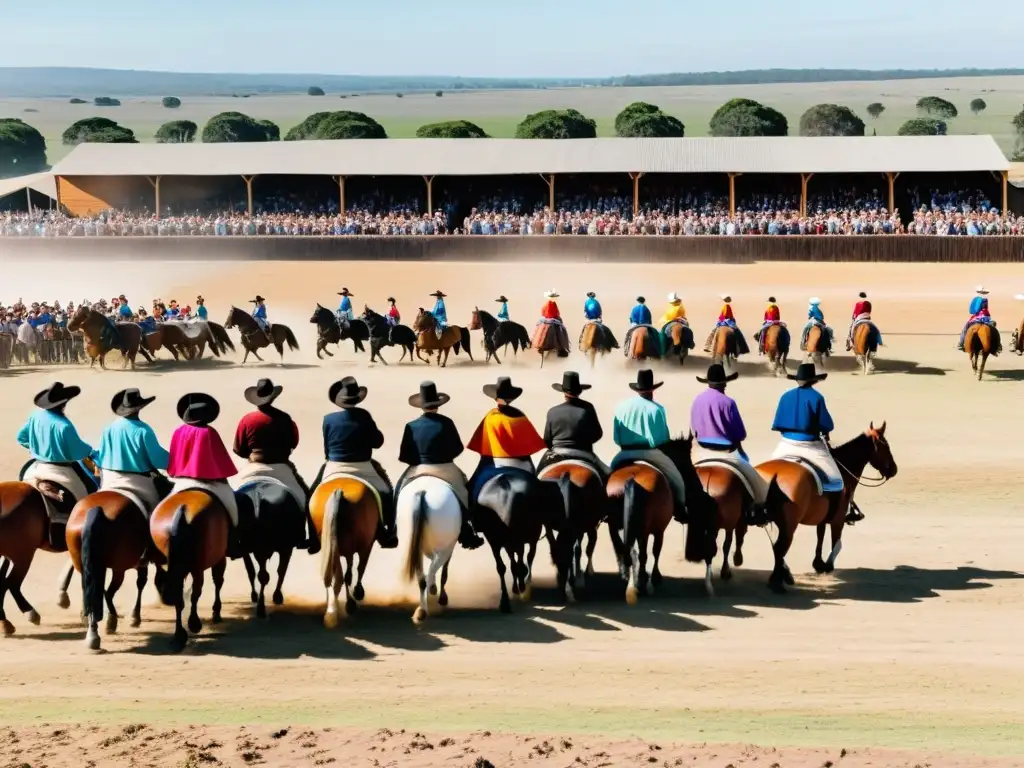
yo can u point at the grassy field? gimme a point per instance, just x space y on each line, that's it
498 112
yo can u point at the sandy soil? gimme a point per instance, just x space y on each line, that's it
912 645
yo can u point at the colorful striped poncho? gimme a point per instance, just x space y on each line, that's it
506 433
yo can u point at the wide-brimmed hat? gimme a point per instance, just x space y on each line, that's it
673 298
198 409
264 393
428 396
716 375
439 294
862 295
56 396
645 381
347 392
725 297
807 374
501 299
257 300
591 295
982 290
771 299
502 390
344 292
570 384
128 402
391 299
814 301
640 300
550 294
199 299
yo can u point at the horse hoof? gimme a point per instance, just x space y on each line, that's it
253 597
7 627
111 627
136 621
709 587
195 626
359 593
92 641
442 599
819 565
179 641
829 567
261 611
33 617
351 605
278 598
726 573
787 576
63 601
419 616
632 596
737 560
216 618
505 607
777 587
527 593
331 620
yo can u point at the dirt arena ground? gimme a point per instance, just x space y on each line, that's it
908 655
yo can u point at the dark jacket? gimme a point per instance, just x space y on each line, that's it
573 424
350 435
430 439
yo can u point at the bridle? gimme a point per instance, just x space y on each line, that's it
867 482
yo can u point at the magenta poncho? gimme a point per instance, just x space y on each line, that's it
199 453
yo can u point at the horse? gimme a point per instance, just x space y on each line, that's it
805 506
383 334
255 338
453 337
678 340
816 345
24 529
196 335
345 513
499 334
641 506
98 342
429 510
981 340
328 331
775 344
1016 340
171 337
865 345
190 529
218 338
725 346
643 342
596 338
550 337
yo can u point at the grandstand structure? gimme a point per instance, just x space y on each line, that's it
97 177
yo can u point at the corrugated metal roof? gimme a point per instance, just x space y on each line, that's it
495 157
40 182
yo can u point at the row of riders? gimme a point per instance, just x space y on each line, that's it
175 508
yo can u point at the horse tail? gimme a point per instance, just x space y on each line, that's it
329 535
181 553
464 339
93 566
221 336
565 488
289 337
413 559
632 514
522 336
701 533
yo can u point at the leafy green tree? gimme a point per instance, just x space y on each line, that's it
177 132
978 106
1018 127
643 120
272 130
76 100
231 127
454 129
557 124
171 102
876 109
97 130
439 94
746 117
830 120
314 90
336 125
939 108
923 126
106 101
22 148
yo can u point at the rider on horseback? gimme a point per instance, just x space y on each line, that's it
57 456
572 428
550 315
772 316
350 437
640 426
430 445
979 314
345 312
726 319
440 313
146 323
259 313
393 317
592 308
674 312
124 309
503 310
640 314
816 317
861 314
201 312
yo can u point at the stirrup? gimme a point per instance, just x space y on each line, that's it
854 515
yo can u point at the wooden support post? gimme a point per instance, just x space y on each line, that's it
636 192
892 191
430 194
341 193
56 183
248 192
804 178
732 194
155 181
1006 193
28 199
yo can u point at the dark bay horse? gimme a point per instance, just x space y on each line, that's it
24 529
596 338
99 341
816 345
678 340
190 529
453 337
774 342
804 505
981 341
865 345
643 342
641 507
217 337
383 334
255 338
329 331
499 334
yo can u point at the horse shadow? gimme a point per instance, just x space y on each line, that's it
1007 375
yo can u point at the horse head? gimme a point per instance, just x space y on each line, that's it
474 324
881 453
232 313
316 314
82 314
424 321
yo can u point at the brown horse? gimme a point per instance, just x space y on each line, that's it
641 506
191 530
805 506
550 337
865 345
24 528
775 343
596 338
218 339
724 346
816 345
255 338
678 340
1016 343
453 337
345 514
100 341
107 531
981 341
643 342
169 336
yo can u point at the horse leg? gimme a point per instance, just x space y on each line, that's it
5 625
218 584
726 547
14 582
620 552
531 553
245 356
819 564
579 582
981 365
431 583
643 581
103 361
777 581
142 576
359 593
63 582
193 593
741 534
180 637
656 577
442 598
116 580
250 570
264 577
591 546
423 609
283 559
332 585
837 525
256 354
505 606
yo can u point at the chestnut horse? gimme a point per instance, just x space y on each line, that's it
596 338
453 337
724 347
816 347
678 340
345 513
191 529
805 506
98 344
775 344
643 342
641 506
865 345
24 528
255 338
982 340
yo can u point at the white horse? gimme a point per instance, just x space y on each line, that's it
429 510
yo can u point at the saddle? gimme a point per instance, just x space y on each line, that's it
652 341
821 479
332 475
733 465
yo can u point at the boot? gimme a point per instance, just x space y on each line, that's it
854 515
57 536
387 537
312 543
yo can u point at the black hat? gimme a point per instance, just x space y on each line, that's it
591 295
56 396
257 300
391 299
716 375
640 299
570 384
439 294
807 374
862 295
501 299
344 292
502 390
428 397
645 381
198 409
128 402
264 393
347 392
771 299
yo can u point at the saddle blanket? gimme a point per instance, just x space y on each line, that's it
754 484
816 456
588 459
363 471
447 473
64 476
219 489
138 489
195 329
281 474
654 458
860 320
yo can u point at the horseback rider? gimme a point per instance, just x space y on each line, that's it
201 311
572 428
266 439
979 313
393 317
861 314
639 427
57 455
503 309
440 313
674 311
130 456
146 323
727 319
640 314
350 437
345 313
124 309
772 316
815 317
551 315
592 308
430 445
504 437
259 313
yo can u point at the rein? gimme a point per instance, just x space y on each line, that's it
867 482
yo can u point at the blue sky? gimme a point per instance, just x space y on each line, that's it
528 38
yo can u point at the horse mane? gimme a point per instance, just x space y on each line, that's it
484 315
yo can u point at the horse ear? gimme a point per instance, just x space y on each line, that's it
881 429
871 426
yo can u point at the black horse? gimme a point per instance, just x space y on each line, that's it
332 331
383 334
499 334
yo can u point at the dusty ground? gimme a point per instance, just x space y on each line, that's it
908 655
